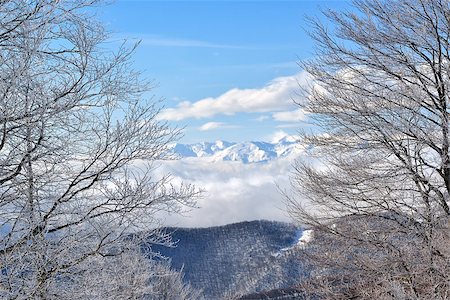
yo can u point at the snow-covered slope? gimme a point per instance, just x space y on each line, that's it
246 152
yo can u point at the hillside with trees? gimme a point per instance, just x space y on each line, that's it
229 261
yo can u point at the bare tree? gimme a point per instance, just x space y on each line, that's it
77 150
377 193
168 284
135 277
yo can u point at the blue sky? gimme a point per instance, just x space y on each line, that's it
227 69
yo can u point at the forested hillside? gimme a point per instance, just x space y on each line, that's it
237 259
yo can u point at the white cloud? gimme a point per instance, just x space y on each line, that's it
261 118
216 125
211 126
235 192
275 96
289 116
164 41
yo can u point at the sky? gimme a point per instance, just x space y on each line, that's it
227 69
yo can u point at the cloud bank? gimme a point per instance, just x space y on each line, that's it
211 126
234 191
289 116
276 96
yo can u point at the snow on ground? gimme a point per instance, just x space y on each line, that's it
304 236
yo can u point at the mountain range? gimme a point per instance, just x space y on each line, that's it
246 152
238 259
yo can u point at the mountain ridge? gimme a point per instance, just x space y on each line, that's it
237 259
245 152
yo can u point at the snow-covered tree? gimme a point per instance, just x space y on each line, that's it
377 194
78 142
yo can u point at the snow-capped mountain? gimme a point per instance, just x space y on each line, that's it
246 152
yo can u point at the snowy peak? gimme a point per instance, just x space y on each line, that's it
204 149
246 152
220 145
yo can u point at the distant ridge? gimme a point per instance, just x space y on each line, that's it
246 152
237 259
